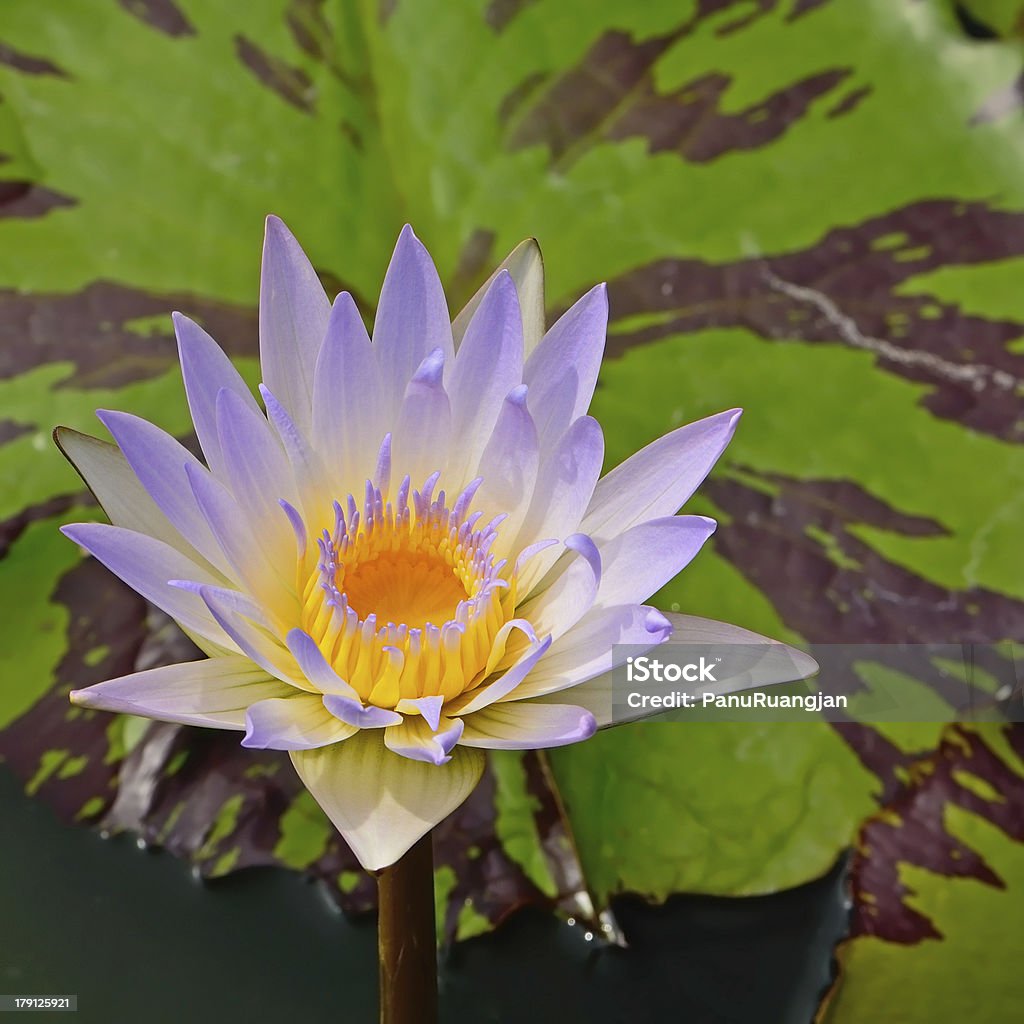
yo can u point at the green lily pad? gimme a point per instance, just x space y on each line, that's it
811 209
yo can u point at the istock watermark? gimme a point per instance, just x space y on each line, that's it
853 682
640 670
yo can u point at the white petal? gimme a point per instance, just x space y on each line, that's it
293 321
249 563
596 644
213 693
657 480
526 266
559 607
528 726
296 722
414 738
380 802
772 662
314 665
507 683
119 491
250 637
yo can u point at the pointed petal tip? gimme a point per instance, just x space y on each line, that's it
187 332
81 698
247 740
804 663
344 300
73 531
297 637
192 586
273 223
518 395
583 544
407 238
656 622
194 473
430 369
181 323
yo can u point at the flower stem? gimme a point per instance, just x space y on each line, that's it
406 939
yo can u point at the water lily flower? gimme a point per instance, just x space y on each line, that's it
406 555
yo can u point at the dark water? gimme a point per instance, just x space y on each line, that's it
139 940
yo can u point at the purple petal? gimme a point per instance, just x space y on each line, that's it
657 480
293 321
526 267
412 318
146 565
488 366
352 711
348 420
507 683
509 465
315 667
415 739
428 707
252 639
307 467
642 560
244 554
562 371
159 462
423 433
259 474
234 600
119 491
206 370
528 726
565 483
298 526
